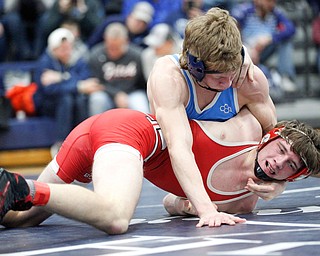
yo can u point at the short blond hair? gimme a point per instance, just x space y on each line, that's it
215 39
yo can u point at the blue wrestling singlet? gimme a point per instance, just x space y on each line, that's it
223 107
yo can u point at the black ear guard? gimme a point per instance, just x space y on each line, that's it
242 54
197 67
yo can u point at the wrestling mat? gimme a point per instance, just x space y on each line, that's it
288 225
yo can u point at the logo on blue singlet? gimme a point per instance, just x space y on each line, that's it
225 108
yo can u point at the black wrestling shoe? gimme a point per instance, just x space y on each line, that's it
14 193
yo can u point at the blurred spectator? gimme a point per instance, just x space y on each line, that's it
29 14
188 9
315 6
316 38
63 85
18 22
137 23
266 30
3 41
5 110
117 64
80 49
223 4
161 41
112 7
162 8
88 13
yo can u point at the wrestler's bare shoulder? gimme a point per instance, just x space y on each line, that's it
165 63
257 90
168 73
259 84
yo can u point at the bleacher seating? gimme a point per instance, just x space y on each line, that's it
308 79
26 133
31 132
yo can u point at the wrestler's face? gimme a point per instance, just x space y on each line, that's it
219 82
278 160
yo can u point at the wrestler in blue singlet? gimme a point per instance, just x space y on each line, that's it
223 107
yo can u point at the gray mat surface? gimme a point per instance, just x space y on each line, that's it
288 225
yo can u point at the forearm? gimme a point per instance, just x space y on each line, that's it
190 180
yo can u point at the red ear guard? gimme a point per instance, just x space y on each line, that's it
274 134
302 174
270 136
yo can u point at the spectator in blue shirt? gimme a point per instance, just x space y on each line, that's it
189 9
137 22
266 30
162 9
63 84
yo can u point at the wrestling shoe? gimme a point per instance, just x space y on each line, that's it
14 193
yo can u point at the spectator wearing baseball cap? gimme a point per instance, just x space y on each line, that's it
63 85
58 36
143 11
161 41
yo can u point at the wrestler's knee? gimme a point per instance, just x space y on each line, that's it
118 226
113 218
112 224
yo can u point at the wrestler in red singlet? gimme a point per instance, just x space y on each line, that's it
142 132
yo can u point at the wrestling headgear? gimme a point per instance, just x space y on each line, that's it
198 69
260 174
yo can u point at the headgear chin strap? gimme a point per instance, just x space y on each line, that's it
260 174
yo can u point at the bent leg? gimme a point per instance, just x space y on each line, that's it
117 180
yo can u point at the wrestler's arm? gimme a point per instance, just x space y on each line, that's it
261 106
168 94
256 98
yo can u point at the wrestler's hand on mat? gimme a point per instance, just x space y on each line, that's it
216 219
266 190
246 71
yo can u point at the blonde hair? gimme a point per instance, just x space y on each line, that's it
304 141
215 39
